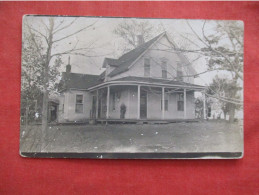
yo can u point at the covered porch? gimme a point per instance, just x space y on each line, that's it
142 102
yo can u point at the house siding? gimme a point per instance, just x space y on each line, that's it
154 110
69 100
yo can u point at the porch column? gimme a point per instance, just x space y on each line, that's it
204 105
163 102
184 103
138 105
108 102
97 103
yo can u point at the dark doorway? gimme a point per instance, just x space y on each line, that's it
53 112
143 104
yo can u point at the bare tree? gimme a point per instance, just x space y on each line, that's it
129 29
47 46
222 47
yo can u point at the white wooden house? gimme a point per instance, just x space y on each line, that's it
151 82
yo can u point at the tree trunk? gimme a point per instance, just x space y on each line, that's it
233 106
44 128
225 115
232 113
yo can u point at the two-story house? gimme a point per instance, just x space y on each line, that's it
151 82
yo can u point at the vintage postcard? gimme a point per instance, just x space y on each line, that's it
97 87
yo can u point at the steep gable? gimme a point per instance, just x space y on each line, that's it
124 62
156 49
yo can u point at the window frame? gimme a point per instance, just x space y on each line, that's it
180 101
164 68
179 72
147 66
81 104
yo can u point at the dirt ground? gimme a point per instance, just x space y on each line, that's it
207 136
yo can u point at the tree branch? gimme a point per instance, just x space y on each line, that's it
44 36
57 30
74 33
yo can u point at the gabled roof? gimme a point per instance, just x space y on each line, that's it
124 62
78 81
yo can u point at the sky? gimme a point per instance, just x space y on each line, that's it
103 42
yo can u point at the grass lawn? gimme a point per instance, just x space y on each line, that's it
207 136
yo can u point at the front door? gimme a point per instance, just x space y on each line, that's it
143 104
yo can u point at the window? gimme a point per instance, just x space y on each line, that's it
180 102
146 67
164 69
79 104
179 72
166 104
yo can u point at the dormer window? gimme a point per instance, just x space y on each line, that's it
147 67
164 68
179 72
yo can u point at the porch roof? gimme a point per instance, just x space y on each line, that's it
131 80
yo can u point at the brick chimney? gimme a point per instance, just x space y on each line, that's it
68 66
140 40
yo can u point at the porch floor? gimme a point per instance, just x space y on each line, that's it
146 121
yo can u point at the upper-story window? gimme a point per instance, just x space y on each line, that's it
79 104
146 67
179 72
164 68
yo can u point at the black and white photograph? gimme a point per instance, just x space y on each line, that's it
131 88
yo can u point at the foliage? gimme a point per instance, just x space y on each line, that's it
223 49
226 90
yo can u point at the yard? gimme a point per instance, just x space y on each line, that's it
207 136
